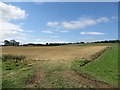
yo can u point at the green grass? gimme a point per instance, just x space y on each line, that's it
104 68
10 63
75 65
12 58
12 74
54 75
16 80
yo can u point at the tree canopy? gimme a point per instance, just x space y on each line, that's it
11 43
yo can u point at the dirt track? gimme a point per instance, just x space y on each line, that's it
70 76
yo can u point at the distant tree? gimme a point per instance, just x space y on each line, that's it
6 43
46 44
14 43
82 42
11 43
77 43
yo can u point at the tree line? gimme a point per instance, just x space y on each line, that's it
11 43
108 41
15 43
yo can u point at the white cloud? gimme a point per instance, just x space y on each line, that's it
103 19
47 31
6 26
78 24
64 31
9 12
91 33
52 24
8 30
44 40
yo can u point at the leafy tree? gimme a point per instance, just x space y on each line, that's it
11 43
6 43
14 43
47 44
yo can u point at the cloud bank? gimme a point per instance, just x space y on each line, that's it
9 30
91 33
79 24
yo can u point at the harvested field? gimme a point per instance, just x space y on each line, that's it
54 53
52 67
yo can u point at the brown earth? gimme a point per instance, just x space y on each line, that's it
85 81
70 76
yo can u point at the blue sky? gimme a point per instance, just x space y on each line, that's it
59 22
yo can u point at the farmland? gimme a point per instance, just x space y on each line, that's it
54 53
59 66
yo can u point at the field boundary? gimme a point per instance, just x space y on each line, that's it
95 56
98 54
89 77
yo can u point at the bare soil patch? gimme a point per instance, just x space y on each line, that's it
37 78
85 81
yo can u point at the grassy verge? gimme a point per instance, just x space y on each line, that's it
104 68
16 79
53 75
44 74
15 71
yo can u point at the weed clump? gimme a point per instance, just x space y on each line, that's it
14 58
12 62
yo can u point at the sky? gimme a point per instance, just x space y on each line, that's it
42 22
59 0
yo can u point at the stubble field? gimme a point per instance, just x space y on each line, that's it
54 52
69 66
